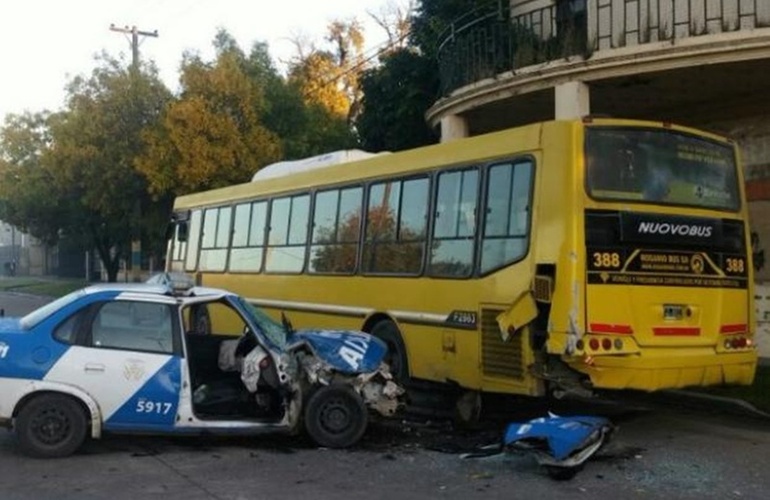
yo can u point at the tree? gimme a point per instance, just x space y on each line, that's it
29 198
214 134
95 144
71 174
394 19
305 128
396 96
397 93
433 17
330 77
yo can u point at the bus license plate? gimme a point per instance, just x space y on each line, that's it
673 312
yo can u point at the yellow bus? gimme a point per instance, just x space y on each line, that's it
563 255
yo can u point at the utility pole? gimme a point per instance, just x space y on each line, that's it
135 33
136 244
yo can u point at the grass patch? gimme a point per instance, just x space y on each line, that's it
758 393
43 287
10 284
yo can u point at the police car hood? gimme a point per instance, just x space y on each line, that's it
346 351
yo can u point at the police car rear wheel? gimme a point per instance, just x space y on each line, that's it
335 417
51 426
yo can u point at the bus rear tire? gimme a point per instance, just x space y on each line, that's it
396 356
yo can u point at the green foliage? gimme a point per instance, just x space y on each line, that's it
317 77
41 287
396 96
329 77
433 17
106 169
72 174
213 135
96 141
28 196
305 128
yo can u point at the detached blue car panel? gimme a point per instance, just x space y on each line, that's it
561 443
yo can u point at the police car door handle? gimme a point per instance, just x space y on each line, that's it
94 367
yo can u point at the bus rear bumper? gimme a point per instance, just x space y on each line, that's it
660 369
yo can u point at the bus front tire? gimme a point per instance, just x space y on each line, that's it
396 356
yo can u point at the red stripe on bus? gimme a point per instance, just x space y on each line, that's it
673 331
731 329
608 328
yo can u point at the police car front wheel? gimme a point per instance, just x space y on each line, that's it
335 416
51 426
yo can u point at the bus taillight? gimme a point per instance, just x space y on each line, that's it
606 343
738 343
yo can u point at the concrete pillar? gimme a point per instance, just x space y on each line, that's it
453 127
573 100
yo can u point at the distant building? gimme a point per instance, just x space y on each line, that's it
14 250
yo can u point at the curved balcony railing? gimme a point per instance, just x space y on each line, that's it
495 38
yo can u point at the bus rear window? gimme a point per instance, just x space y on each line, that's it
660 166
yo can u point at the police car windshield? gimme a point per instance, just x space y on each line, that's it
273 330
38 315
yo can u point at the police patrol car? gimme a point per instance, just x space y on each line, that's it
150 359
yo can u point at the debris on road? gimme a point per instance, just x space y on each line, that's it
560 444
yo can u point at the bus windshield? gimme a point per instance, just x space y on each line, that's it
660 166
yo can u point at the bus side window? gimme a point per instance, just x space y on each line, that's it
506 227
396 222
216 239
455 224
336 225
288 234
193 241
248 237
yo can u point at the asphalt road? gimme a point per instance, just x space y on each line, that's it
663 451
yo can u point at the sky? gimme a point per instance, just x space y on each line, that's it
44 43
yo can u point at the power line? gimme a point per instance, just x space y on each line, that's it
387 46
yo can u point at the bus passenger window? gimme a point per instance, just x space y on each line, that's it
248 237
336 228
455 224
193 240
216 239
506 228
288 234
396 220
